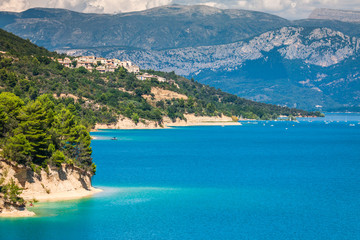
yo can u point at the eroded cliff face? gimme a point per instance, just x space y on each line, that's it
320 47
302 67
65 182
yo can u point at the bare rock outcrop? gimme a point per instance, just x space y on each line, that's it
52 184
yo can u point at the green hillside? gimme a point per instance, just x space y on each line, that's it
36 130
28 72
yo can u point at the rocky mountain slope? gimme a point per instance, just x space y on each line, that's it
321 47
310 63
335 14
317 62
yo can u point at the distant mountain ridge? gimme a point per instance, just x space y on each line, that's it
309 63
335 14
159 28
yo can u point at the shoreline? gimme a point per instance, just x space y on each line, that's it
17 214
54 197
191 120
219 123
166 126
63 196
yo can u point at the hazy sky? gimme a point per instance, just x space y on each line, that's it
291 9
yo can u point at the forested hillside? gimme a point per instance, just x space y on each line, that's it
36 129
95 97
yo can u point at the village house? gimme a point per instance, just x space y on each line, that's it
100 64
66 62
104 65
147 76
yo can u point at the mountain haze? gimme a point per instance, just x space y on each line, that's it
311 63
335 14
312 67
159 28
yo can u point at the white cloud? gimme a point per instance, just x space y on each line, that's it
98 6
292 9
113 6
214 4
13 5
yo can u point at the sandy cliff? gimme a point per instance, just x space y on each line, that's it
191 120
63 183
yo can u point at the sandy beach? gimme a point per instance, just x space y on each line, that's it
191 120
62 196
17 213
54 197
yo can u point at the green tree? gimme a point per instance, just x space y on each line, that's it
83 149
18 149
58 158
74 64
74 138
12 193
210 108
11 103
10 106
3 120
33 125
135 117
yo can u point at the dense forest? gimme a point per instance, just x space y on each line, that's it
42 133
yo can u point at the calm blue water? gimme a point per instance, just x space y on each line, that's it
261 180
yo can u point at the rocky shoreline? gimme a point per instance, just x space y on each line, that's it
55 184
191 120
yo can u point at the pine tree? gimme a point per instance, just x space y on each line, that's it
10 106
74 138
3 120
33 125
18 149
83 148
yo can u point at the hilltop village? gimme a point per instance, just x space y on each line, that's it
104 65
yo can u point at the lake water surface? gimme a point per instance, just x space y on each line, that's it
261 180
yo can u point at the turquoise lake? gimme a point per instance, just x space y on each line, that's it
262 180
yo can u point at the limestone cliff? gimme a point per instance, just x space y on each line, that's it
190 120
303 67
52 184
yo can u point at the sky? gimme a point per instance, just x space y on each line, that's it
290 9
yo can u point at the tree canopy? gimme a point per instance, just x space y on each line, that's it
43 132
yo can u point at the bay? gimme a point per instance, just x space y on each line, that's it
261 180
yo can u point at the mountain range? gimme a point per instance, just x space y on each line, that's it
311 63
333 14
